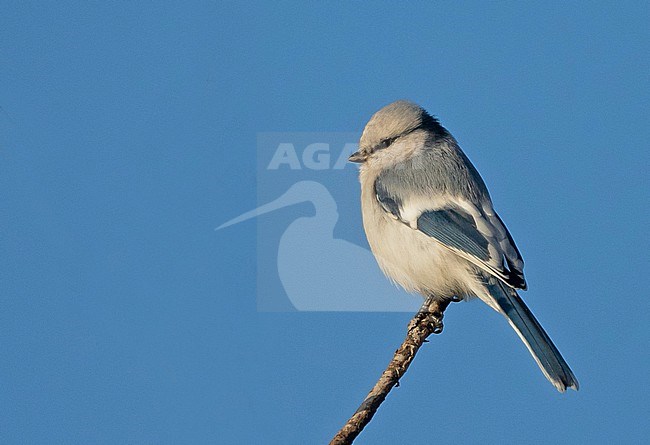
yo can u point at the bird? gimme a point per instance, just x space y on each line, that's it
432 227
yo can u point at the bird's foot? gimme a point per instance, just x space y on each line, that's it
430 320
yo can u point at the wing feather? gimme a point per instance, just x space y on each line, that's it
479 237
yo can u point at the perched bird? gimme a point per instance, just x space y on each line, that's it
432 227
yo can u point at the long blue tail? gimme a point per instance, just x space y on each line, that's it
549 359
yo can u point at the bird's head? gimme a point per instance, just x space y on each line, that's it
395 131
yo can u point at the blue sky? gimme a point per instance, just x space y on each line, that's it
128 133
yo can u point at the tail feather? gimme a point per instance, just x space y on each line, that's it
549 359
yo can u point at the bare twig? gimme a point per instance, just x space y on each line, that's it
426 322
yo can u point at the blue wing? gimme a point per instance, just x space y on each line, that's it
456 230
482 239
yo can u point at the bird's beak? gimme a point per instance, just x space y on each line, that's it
290 197
357 157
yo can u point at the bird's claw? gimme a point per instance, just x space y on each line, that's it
433 321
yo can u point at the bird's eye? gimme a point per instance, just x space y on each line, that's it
384 143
